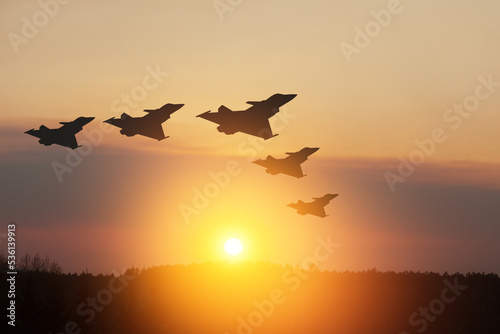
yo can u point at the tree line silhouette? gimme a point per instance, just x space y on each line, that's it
32 263
250 298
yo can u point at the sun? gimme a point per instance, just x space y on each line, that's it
233 246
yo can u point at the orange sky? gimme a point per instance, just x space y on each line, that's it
121 205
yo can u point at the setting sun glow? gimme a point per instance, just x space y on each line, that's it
233 246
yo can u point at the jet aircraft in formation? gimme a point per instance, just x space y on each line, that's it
289 165
253 121
64 135
316 207
148 125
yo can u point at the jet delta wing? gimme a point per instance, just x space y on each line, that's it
149 125
63 136
253 121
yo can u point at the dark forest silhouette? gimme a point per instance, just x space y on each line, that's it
222 297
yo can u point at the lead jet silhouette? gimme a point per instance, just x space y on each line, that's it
289 165
64 136
316 207
148 125
253 121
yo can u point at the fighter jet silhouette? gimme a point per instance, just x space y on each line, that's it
64 136
289 165
149 125
253 121
316 207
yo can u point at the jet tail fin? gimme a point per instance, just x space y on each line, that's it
224 109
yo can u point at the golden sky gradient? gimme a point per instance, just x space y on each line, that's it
121 205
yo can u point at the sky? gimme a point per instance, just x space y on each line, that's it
401 97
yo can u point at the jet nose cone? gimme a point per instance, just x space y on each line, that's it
289 97
280 99
313 149
87 120
171 107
